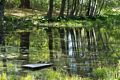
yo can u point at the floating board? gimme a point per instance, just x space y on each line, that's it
36 66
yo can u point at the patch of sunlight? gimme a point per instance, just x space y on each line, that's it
116 9
23 12
3 76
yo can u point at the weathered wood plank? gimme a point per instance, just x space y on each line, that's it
36 66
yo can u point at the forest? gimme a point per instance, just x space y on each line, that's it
78 38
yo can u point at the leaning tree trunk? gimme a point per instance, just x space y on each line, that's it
62 8
25 4
50 9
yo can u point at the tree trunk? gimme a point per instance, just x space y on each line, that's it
81 7
2 3
50 9
2 41
68 7
73 8
101 6
94 8
91 12
24 45
77 8
62 8
25 4
89 8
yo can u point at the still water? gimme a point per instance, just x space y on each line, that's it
88 54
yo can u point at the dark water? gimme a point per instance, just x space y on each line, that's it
73 51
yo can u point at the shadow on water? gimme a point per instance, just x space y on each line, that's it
81 51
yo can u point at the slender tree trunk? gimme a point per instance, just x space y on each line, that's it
62 8
2 3
88 10
24 45
2 40
94 8
91 8
101 6
77 8
73 8
81 7
25 4
68 7
50 9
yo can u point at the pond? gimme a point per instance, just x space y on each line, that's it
76 53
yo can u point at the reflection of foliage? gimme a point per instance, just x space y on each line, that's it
56 40
38 45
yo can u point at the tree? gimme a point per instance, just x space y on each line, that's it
2 3
73 8
2 40
68 7
24 4
62 8
50 9
92 8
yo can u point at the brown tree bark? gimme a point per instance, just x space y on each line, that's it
25 4
50 9
62 8
68 7
2 3
73 8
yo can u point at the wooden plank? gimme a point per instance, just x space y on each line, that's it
36 66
